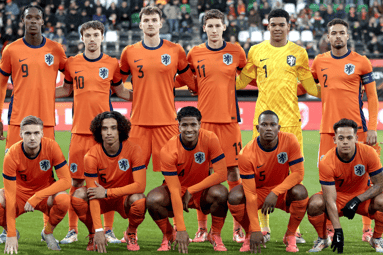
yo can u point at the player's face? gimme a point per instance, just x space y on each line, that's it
109 131
214 29
338 36
345 140
31 135
33 20
268 127
92 39
189 129
278 28
150 24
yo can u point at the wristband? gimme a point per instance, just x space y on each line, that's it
99 230
106 193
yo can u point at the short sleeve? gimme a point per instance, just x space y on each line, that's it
62 58
313 69
58 157
246 169
374 166
10 166
295 154
90 164
124 65
303 67
137 159
117 78
189 59
68 78
5 62
215 149
183 64
168 161
366 75
250 68
326 174
242 58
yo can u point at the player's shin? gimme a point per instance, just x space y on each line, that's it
108 220
166 227
81 208
240 215
297 212
72 216
319 223
57 212
136 215
378 229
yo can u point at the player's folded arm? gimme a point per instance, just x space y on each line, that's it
376 177
312 87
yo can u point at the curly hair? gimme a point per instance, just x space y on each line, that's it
189 111
123 125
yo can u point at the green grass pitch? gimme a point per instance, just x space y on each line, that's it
150 237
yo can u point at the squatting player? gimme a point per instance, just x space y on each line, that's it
115 176
344 174
276 65
153 63
29 184
90 75
271 168
185 161
342 73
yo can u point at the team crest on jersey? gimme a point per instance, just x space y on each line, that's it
291 60
227 59
282 157
349 69
199 157
123 164
103 72
45 165
359 170
73 167
166 59
49 59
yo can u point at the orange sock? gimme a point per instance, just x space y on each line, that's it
297 212
217 224
58 211
366 223
378 230
136 214
72 216
108 220
165 227
45 219
3 221
233 184
319 224
81 208
202 219
240 215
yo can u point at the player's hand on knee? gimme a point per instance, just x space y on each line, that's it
100 242
350 208
96 192
372 137
11 245
256 240
28 207
269 204
2 137
182 240
185 200
338 240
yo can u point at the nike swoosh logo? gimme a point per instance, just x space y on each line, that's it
338 176
200 60
180 164
137 60
323 69
78 71
260 166
264 59
21 60
101 169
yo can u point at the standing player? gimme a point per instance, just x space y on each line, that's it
185 161
276 65
344 174
29 184
115 177
94 74
342 73
215 64
153 64
33 63
271 168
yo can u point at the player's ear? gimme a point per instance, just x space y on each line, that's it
279 128
203 28
257 126
334 138
82 39
288 27
140 25
224 27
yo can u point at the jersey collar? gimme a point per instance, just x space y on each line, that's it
209 48
153 48
93 60
26 155
115 155
352 158
187 148
345 55
35 47
260 146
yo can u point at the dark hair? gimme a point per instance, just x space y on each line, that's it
279 13
346 123
214 14
38 7
149 10
268 112
97 25
337 21
123 125
31 120
189 111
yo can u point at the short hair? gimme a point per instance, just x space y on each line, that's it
189 111
346 123
268 112
337 21
31 120
38 7
279 13
214 14
97 25
123 125
149 10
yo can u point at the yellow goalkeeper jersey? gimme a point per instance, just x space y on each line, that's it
276 70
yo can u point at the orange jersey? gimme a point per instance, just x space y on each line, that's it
120 174
91 79
216 71
341 80
350 177
34 70
153 71
33 176
188 168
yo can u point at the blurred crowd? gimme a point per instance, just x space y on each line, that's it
63 18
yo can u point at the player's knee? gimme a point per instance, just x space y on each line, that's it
80 193
378 203
316 205
218 193
62 200
78 183
154 200
236 196
135 197
299 192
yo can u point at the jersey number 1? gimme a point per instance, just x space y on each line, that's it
265 67
79 82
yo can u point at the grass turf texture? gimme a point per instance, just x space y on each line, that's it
150 236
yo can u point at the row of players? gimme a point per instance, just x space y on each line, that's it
209 70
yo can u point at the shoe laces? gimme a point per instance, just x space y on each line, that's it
132 238
70 233
378 242
200 232
91 237
239 232
318 242
111 234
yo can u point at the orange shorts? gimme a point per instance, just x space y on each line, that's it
262 193
13 135
114 204
327 142
79 146
229 136
151 139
